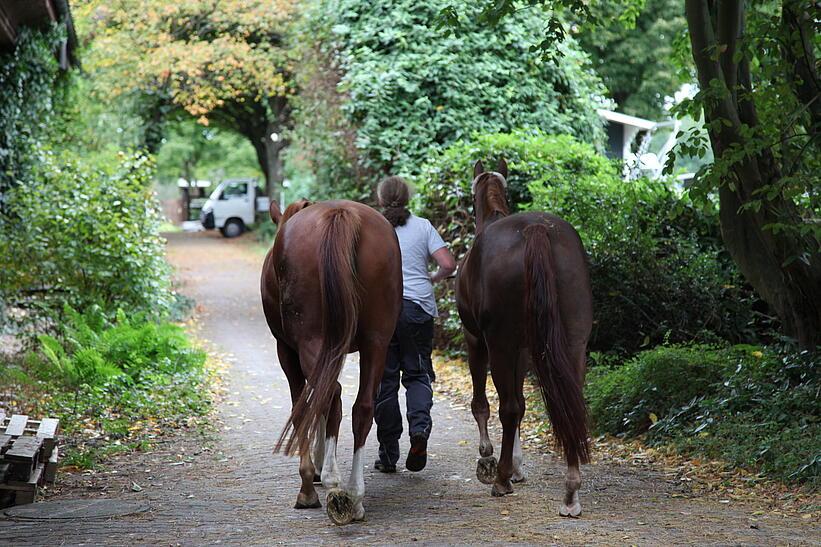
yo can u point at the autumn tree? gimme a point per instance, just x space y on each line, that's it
760 96
220 62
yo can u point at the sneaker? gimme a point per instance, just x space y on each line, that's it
418 454
384 467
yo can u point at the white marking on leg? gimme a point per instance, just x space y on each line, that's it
356 483
518 471
319 446
330 471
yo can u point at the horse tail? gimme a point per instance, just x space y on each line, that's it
559 380
339 295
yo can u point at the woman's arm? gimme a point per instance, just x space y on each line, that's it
447 264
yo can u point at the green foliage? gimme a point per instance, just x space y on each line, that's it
193 151
751 407
94 351
28 76
82 236
636 61
378 99
123 378
656 271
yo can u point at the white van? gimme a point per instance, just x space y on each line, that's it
233 206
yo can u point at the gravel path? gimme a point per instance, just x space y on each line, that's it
232 489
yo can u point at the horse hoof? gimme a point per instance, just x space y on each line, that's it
317 479
486 469
340 507
307 502
498 491
517 478
572 511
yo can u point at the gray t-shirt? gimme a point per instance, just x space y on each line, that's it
418 240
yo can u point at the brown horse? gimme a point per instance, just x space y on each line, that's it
331 285
523 293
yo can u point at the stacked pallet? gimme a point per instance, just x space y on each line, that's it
28 457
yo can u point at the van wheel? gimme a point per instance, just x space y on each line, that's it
233 228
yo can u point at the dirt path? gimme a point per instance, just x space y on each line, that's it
233 490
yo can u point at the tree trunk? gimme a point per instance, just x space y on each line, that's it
768 260
268 154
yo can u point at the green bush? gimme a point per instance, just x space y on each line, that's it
751 407
627 399
657 271
119 377
81 236
377 99
93 351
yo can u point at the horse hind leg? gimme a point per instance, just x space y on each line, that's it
319 450
504 370
345 506
571 506
518 455
477 359
289 360
330 469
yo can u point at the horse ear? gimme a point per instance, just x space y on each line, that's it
478 169
276 214
501 167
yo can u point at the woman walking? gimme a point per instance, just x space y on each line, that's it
409 353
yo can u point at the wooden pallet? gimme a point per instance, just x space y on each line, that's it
28 457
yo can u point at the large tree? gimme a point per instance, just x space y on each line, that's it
760 95
218 61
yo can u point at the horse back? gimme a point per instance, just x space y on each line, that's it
491 286
291 276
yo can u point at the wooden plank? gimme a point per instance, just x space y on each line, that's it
23 456
28 483
51 467
17 425
5 442
24 449
24 497
48 427
48 432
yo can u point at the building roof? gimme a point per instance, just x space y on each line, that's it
624 119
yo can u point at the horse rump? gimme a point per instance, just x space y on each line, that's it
559 380
339 295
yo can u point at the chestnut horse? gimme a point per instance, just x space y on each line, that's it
331 285
523 294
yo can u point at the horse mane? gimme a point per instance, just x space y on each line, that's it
491 200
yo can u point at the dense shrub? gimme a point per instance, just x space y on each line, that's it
751 407
90 350
377 98
657 270
28 76
80 235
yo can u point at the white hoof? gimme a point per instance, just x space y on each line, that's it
572 511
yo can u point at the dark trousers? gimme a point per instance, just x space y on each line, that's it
408 357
